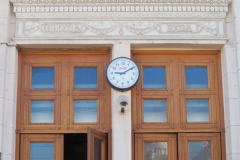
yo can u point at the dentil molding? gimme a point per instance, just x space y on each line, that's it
121 1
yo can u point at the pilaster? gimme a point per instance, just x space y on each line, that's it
121 122
231 82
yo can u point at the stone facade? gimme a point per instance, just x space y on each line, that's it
121 25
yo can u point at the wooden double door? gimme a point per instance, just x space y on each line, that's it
90 146
182 146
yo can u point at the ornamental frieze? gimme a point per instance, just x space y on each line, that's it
118 28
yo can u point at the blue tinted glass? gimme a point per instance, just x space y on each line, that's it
85 111
85 78
42 111
196 77
154 78
199 150
198 110
42 78
41 151
155 111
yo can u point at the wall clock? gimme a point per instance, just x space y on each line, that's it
122 73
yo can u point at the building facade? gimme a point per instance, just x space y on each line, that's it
56 102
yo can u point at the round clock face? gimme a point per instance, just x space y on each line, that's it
122 73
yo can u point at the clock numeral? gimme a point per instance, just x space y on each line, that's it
128 82
114 68
122 63
117 81
113 78
122 83
131 78
111 72
117 64
133 73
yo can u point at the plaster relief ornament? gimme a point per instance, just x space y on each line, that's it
153 28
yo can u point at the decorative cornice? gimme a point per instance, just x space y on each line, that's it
56 2
114 8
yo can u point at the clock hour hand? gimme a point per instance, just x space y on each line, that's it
118 73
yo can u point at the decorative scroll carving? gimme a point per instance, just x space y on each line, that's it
154 28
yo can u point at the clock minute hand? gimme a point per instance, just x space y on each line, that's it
128 70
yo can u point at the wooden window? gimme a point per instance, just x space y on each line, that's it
186 84
42 78
63 92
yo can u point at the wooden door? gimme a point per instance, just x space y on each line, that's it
155 147
97 145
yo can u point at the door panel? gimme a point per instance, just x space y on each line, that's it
97 145
41 146
155 147
199 146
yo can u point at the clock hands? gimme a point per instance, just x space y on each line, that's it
128 70
118 73
124 71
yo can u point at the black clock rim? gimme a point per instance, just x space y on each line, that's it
122 89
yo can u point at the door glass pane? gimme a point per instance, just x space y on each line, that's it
42 111
42 78
85 111
97 149
199 150
196 77
41 151
198 110
156 151
154 78
85 78
155 111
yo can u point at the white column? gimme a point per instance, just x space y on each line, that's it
231 82
8 101
121 123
